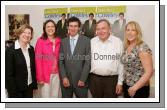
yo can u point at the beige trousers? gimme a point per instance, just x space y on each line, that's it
52 89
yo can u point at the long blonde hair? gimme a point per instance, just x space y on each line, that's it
139 33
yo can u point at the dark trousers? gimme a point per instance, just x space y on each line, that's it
27 93
80 92
103 86
143 92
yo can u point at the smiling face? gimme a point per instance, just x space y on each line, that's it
103 30
25 36
50 29
73 28
91 17
131 33
63 17
121 17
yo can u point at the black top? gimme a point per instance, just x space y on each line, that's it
16 73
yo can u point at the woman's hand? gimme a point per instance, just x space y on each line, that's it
132 91
35 91
40 82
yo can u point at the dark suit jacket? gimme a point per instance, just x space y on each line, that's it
117 31
89 32
16 74
61 32
75 69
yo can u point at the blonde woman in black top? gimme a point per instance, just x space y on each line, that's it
137 60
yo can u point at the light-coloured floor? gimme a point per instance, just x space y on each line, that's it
152 87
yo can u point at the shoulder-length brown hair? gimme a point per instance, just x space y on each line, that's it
45 36
22 29
139 33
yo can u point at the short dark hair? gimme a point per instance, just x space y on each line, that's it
121 13
74 19
63 14
91 14
45 36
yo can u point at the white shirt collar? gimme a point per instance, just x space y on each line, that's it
75 37
90 20
121 19
109 39
17 45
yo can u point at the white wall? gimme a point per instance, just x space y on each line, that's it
144 15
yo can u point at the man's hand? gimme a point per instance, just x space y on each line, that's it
66 82
118 89
81 83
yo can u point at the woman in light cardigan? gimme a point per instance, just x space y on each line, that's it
47 54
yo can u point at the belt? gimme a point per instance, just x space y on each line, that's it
103 76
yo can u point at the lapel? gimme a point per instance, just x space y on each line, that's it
21 56
77 44
87 24
64 24
31 57
79 41
20 53
124 22
68 45
93 22
117 22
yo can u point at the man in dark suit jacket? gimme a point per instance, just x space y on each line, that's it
119 27
74 61
16 73
89 26
61 28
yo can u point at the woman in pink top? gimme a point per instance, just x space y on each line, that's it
46 57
